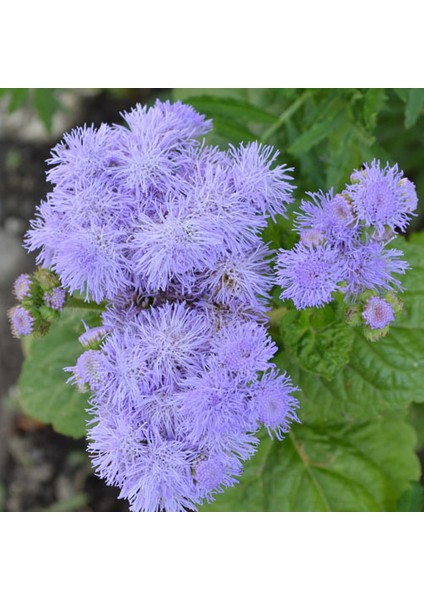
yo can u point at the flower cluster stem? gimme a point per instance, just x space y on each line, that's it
73 302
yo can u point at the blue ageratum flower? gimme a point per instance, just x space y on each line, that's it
309 275
275 404
371 266
175 245
378 313
92 262
212 404
22 286
382 197
154 473
214 473
257 179
55 298
173 338
242 349
327 217
89 372
177 374
21 321
82 157
151 155
241 280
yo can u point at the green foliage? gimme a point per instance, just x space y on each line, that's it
43 100
416 415
414 106
380 376
375 100
316 340
412 500
44 394
349 467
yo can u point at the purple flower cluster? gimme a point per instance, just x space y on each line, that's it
146 207
344 237
41 299
165 229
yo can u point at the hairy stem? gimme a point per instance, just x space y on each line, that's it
73 302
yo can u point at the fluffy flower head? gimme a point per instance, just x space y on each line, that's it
21 321
22 286
382 197
378 313
309 275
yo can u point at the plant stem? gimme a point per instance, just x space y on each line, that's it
284 117
73 302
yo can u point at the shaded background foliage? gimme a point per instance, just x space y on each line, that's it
361 412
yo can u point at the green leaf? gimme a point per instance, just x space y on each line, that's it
402 93
414 105
416 415
44 394
46 104
227 130
44 101
349 467
17 97
417 238
327 119
411 500
380 376
186 94
232 117
316 340
374 101
230 108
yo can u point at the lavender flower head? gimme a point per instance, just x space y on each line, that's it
21 321
22 286
92 338
382 197
275 403
328 215
378 313
55 298
309 275
267 189
89 372
370 266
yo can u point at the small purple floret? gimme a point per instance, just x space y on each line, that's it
378 313
22 286
21 321
55 298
